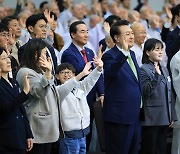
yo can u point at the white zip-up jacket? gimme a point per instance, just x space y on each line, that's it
74 109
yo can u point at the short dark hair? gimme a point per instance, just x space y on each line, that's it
7 19
175 12
112 19
42 4
33 19
73 26
3 27
2 49
115 28
149 45
64 66
32 53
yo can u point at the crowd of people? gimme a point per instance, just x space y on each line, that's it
58 60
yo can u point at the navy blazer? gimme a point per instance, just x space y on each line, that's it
172 44
14 125
73 56
122 89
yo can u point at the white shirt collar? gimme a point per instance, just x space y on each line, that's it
123 51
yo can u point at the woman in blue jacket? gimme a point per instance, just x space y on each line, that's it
15 133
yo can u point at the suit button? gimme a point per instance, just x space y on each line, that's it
22 116
17 117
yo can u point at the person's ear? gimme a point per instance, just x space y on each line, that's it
117 38
30 28
72 35
147 52
57 76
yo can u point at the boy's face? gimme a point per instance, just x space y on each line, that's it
64 75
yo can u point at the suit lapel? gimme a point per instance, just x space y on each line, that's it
12 91
129 70
79 56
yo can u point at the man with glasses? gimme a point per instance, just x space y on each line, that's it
6 42
14 28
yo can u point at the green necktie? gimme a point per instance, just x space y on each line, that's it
131 64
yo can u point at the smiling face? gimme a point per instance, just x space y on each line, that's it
156 54
14 25
65 75
127 33
5 63
81 36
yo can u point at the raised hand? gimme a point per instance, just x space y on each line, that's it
98 62
26 84
45 63
48 17
168 13
99 54
87 69
125 43
157 69
106 27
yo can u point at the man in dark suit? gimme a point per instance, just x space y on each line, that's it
37 26
77 55
173 38
122 93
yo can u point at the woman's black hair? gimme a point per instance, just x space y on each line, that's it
2 49
149 45
32 53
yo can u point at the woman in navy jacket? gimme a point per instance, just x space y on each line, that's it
15 133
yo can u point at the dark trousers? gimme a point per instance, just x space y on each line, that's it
41 148
13 152
89 136
122 138
154 139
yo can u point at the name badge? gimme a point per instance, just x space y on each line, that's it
168 79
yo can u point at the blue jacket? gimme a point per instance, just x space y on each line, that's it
122 89
14 125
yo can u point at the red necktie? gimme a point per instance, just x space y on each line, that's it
84 55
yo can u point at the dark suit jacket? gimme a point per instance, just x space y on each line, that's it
122 89
51 49
159 110
72 55
14 125
172 44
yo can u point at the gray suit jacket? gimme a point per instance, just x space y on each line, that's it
157 102
175 70
42 106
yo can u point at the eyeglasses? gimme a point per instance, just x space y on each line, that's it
64 73
5 34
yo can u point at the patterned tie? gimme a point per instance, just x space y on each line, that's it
84 55
131 64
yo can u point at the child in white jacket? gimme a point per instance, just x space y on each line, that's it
74 109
